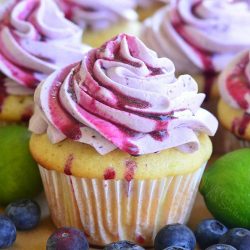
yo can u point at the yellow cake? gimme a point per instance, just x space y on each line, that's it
148 11
169 162
227 115
97 38
16 108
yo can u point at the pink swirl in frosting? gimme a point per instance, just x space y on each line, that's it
35 40
234 85
98 14
199 35
122 95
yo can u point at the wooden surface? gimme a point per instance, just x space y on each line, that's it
36 239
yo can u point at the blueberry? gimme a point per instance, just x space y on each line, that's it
221 247
25 214
238 238
7 232
123 245
67 238
174 248
209 232
175 235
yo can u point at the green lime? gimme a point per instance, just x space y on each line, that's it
225 187
19 174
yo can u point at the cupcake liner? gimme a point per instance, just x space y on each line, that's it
112 210
226 141
244 143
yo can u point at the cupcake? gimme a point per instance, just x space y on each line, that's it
102 19
200 37
35 40
234 104
121 143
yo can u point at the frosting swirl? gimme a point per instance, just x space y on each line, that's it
98 14
199 35
122 95
35 40
234 82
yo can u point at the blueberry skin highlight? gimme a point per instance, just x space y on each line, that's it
121 245
238 238
67 238
25 214
175 235
221 247
209 232
7 232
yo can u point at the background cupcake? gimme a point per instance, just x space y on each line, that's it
102 19
121 143
146 8
200 36
35 40
234 105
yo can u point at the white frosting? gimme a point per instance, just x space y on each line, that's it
122 95
35 40
98 14
217 29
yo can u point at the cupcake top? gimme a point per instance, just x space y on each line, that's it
98 14
234 85
234 82
199 35
122 96
35 40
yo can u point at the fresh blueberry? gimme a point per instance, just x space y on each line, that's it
209 232
174 248
175 235
124 244
67 238
238 238
7 232
25 214
221 247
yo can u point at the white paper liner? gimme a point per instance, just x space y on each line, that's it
112 210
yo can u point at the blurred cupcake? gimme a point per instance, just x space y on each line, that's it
35 40
234 105
200 37
102 19
147 8
120 142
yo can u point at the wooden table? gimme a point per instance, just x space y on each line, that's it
36 239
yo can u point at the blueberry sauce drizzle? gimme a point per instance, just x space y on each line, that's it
109 174
68 165
238 86
118 134
3 93
209 72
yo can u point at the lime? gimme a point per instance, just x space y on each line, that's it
19 175
225 187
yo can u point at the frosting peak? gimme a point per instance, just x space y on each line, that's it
35 40
122 95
